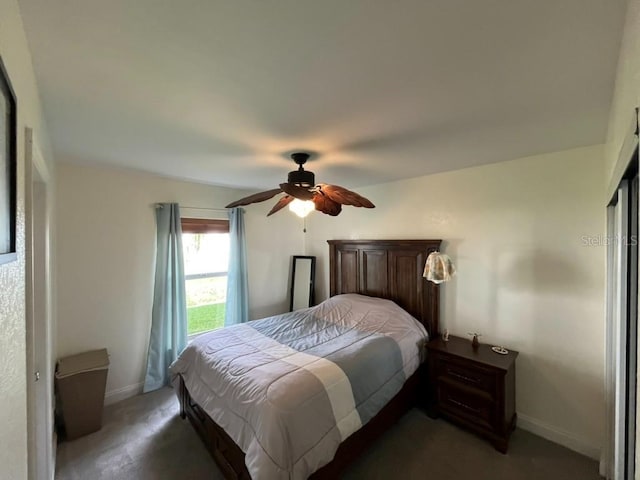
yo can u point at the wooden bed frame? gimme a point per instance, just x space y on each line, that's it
379 268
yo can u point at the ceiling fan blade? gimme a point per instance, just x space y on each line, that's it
325 205
300 193
343 196
255 198
283 202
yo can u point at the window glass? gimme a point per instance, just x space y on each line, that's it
206 259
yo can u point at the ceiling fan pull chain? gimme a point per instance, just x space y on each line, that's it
304 224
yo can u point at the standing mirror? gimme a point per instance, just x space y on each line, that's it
302 282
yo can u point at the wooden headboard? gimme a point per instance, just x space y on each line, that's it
389 269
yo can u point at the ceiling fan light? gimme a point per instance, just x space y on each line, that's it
302 208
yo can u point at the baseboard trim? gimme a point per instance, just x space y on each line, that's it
119 394
559 436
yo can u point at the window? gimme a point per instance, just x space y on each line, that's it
205 244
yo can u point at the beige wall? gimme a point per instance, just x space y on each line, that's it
106 255
525 279
626 95
13 390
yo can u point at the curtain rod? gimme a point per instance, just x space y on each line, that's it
159 205
206 208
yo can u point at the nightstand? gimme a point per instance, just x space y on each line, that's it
473 387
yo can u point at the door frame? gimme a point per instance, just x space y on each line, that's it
621 315
39 328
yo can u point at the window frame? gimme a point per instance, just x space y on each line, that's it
190 225
204 225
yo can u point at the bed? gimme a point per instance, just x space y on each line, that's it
301 395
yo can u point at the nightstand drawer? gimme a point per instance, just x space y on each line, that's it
473 386
466 403
466 374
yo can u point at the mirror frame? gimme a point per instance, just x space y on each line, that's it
312 280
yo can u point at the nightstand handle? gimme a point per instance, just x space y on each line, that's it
463 377
463 405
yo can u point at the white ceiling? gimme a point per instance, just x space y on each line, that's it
220 91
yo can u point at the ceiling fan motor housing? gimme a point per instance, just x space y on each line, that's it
302 178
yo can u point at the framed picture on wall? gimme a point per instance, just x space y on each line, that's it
8 165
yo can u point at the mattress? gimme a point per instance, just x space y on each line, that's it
289 389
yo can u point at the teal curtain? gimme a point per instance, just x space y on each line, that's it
237 307
169 314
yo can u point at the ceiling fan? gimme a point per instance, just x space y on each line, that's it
302 192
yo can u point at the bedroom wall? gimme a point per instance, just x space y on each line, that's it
525 279
13 389
106 261
626 95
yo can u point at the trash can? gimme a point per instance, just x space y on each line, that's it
81 381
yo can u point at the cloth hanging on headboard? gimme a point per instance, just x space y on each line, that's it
438 268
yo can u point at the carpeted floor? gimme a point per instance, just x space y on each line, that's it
143 438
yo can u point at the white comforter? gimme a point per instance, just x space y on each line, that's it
289 389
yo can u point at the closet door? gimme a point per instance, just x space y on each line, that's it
622 312
632 332
620 308
621 368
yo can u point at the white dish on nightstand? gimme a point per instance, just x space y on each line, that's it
500 350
